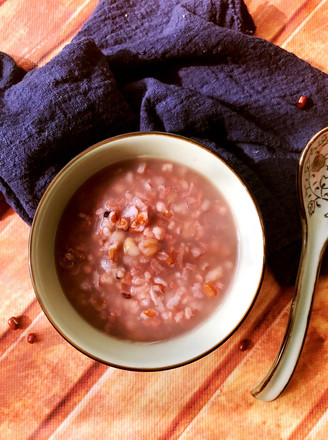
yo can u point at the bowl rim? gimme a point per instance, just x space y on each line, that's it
33 233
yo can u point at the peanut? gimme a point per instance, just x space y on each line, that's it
149 247
130 247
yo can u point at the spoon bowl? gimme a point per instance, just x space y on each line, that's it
313 201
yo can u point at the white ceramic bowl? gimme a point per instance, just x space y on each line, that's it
190 346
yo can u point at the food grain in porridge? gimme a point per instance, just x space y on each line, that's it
146 249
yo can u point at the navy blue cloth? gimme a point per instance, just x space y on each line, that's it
190 67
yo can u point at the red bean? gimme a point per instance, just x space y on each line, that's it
150 313
31 338
244 344
13 323
126 295
302 100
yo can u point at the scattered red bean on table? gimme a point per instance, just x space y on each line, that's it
244 344
31 338
13 323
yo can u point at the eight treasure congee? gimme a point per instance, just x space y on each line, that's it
146 249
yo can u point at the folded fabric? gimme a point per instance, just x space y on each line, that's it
187 67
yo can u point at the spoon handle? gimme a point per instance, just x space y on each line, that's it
284 364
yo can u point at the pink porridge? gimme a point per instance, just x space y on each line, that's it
146 249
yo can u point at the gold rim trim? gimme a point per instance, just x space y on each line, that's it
39 208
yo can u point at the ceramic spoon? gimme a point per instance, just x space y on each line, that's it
313 199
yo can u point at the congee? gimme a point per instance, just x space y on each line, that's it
146 249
